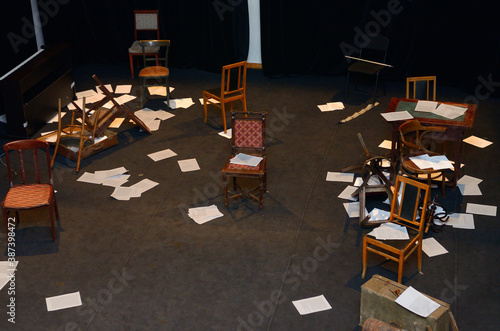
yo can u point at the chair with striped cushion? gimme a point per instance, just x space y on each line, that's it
248 137
31 184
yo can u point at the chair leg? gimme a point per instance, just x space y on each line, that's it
400 268
419 259
131 60
168 92
365 258
224 116
225 183
244 100
205 106
261 192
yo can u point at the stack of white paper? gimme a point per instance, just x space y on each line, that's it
181 103
331 106
245 159
204 214
437 162
417 303
390 231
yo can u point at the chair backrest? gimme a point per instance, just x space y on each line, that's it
146 20
249 132
420 87
234 78
34 168
162 58
411 133
409 203
375 49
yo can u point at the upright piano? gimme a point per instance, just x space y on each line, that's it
29 95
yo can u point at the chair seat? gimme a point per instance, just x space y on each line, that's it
398 244
137 49
365 67
241 169
28 196
411 166
154 71
217 92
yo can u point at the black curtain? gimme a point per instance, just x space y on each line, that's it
456 41
203 34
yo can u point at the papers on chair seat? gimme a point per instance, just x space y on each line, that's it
417 303
397 116
331 106
312 305
431 247
245 159
390 231
436 162
204 214
426 106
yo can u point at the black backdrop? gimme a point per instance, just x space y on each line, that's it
457 41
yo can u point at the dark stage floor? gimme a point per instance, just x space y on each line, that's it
144 264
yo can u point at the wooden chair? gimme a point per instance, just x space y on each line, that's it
34 187
158 73
415 85
371 61
233 87
408 209
249 137
412 143
145 22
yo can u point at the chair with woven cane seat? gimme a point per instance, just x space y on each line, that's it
158 73
248 138
416 140
233 87
146 24
31 184
408 209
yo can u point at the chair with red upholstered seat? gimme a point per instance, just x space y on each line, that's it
31 184
248 138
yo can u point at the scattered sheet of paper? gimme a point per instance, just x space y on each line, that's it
102 174
86 93
312 305
226 135
7 271
212 100
426 106
161 155
116 122
431 247
123 89
188 165
245 159
449 111
397 116
331 106
469 185
347 193
386 144
461 221
339 177
3 118
204 214
63 301
181 103
474 208
417 303
478 142
379 215
115 181
352 209
107 86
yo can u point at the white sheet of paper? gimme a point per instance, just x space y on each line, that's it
63 301
86 93
204 214
158 90
107 86
347 193
478 142
226 135
125 98
3 118
416 302
386 144
352 209
188 165
163 115
345 177
449 111
312 305
397 116
123 89
102 174
461 221
474 208
379 215
390 231
7 270
181 103
212 100
116 122
115 181
426 106
246 159
144 185
431 247
161 155
89 177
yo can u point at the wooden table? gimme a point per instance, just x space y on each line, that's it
455 129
